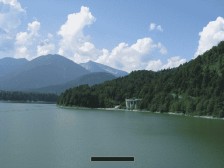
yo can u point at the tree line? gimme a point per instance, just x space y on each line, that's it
27 96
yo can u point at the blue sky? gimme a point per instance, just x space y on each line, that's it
124 34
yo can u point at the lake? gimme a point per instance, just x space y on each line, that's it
47 136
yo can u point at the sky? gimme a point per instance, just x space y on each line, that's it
124 34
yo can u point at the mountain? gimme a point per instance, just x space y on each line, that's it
96 67
8 65
41 72
90 79
194 88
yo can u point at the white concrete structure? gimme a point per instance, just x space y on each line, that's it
132 104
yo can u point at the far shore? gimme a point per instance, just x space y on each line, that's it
29 102
143 111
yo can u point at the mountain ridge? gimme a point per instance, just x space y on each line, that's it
43 72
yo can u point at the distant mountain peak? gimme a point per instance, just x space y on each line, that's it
97 67
42 71
50 56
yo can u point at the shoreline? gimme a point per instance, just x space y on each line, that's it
142 111
209 117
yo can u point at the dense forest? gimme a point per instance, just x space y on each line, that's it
194 88
27 97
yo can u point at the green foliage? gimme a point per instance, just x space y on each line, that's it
194 88
25 96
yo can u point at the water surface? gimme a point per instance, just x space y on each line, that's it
46 136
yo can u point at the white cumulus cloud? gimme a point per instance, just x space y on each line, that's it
45 48
71 32
171 62
25 41
33 27
130 57
14 3
11 13
24 38
86 52
154 65
174 62
22 52
154 26
211 35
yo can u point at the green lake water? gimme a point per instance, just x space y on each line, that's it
46 136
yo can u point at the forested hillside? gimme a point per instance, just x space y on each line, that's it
194 88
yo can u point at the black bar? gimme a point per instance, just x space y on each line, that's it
113 159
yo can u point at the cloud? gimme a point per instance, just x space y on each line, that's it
172 62
25 41
22 38
75 45
25 38
10 15
6 42
131 57
30 44
6 45
154 26
22 52
86 52
14 3
210 36
33 27
71 32
162 48
45 47
154 65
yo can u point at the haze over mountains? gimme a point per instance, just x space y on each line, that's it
8 65
50 72
90 79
